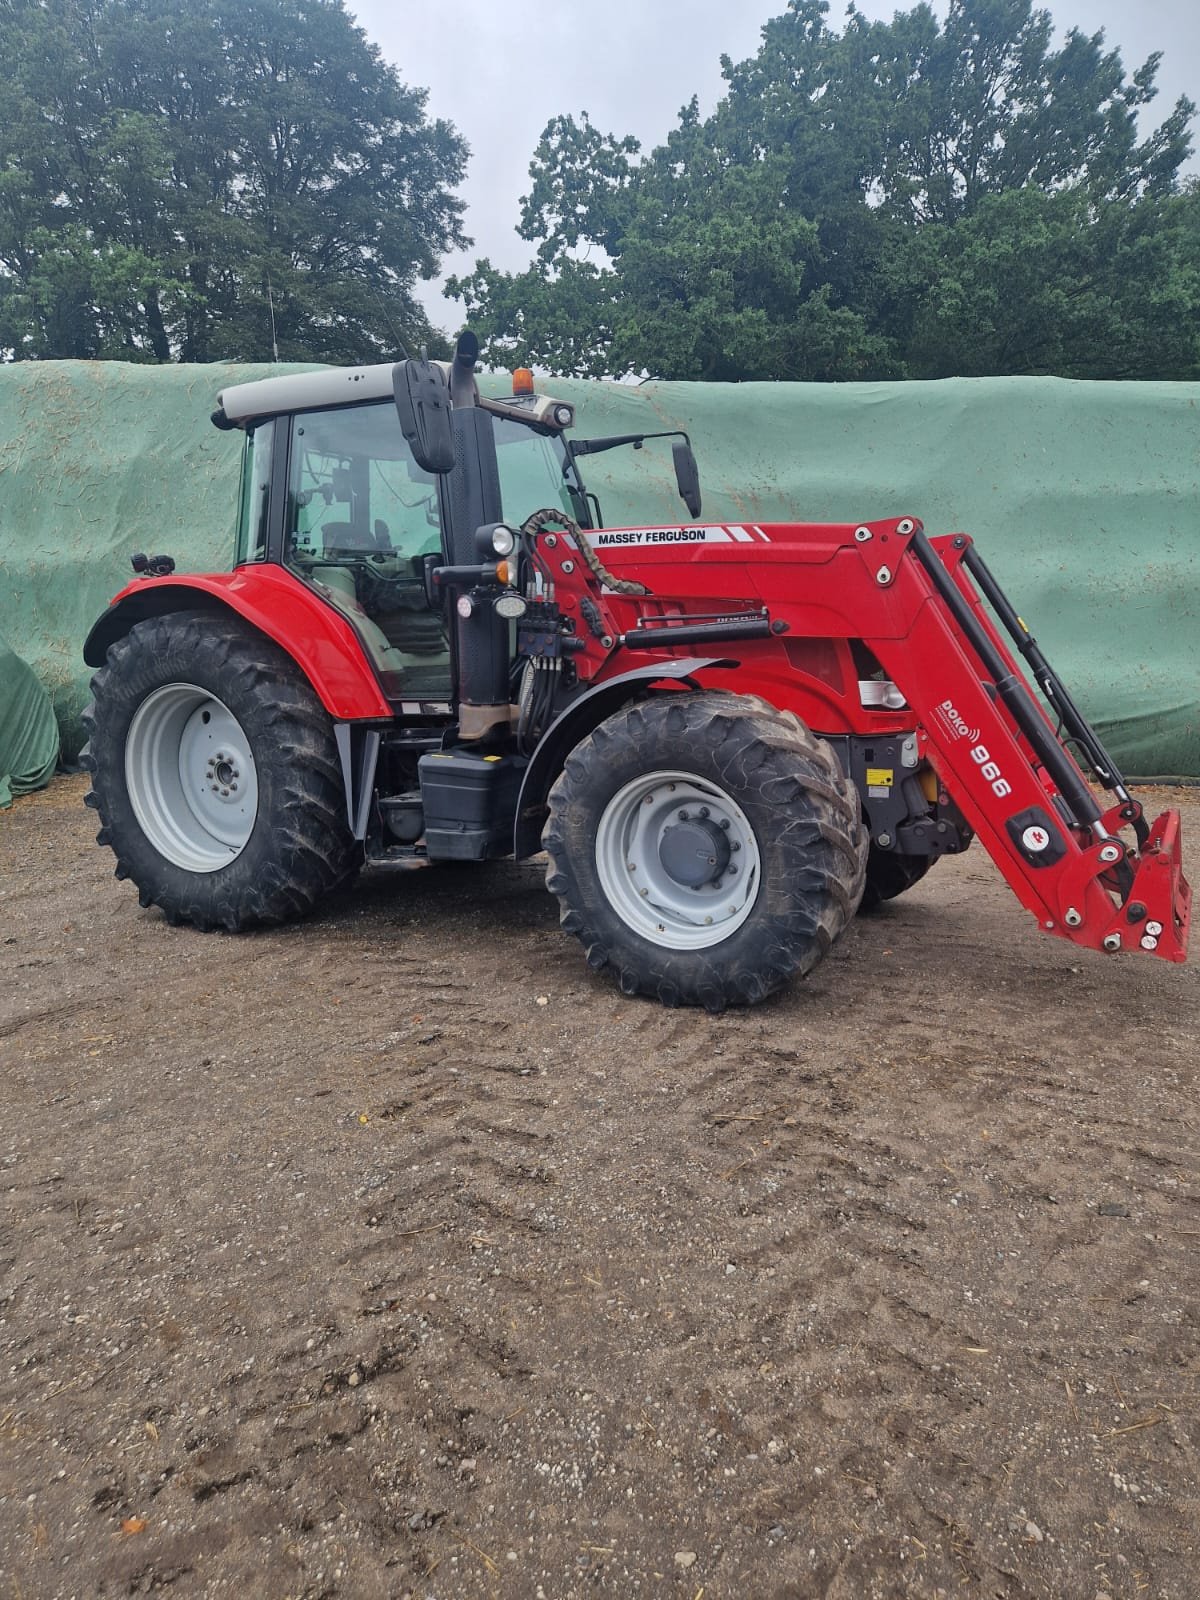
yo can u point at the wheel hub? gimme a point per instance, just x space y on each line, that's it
678 860
191 777
222 776
694 851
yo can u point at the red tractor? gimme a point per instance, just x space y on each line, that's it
724 737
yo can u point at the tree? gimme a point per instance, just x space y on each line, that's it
203 179
715 276
1042 284
809 228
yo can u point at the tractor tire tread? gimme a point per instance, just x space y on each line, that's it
294 857
890 875
773 766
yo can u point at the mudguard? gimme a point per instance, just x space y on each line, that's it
320 641
574 724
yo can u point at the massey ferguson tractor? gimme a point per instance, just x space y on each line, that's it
726 738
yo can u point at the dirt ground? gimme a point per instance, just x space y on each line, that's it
396 1254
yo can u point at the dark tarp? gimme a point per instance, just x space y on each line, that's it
28 730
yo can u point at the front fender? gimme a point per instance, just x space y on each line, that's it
320 641
574 724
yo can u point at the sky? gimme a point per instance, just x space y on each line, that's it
499 72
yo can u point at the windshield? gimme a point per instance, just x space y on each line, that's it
532 473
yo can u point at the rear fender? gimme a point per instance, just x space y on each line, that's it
320 641
574 725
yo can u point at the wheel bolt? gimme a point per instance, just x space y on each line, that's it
643 893
732 870
704 811
725 823
735 845
683 816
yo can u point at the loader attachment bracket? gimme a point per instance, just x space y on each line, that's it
1157 913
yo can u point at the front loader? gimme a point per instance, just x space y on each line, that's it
725 737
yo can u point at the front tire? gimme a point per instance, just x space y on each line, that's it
215 774
706 847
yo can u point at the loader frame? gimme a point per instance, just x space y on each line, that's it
920 607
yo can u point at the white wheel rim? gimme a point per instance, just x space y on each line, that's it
190 774
638 863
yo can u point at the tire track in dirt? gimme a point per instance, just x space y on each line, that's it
406 1271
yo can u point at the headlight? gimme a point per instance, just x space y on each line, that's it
504 540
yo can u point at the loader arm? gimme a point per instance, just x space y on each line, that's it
1014 776
1023 771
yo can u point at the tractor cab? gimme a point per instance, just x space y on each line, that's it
333 491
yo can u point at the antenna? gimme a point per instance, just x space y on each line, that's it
271 304
387 317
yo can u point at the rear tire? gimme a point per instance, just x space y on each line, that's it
670 788
215 774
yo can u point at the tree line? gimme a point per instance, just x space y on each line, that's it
198 180
202 180
911 198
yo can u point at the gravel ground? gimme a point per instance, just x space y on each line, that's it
395 1254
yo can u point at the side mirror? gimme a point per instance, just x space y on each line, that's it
435 599
687 476
423 406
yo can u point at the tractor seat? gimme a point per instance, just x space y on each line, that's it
344 536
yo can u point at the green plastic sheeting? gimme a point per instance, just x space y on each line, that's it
98 459
1084 497
28 731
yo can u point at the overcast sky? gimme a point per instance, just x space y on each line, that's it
499 72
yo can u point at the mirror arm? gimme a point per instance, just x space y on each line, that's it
593 447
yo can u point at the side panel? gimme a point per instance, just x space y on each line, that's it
322 643
808 580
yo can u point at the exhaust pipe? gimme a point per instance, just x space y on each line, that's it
464 391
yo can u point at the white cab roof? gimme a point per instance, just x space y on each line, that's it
305 391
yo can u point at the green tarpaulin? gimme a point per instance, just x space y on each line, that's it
1084 497
28 731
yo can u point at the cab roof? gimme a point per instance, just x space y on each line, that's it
305 391
245 403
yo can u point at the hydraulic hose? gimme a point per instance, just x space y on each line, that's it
551 515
